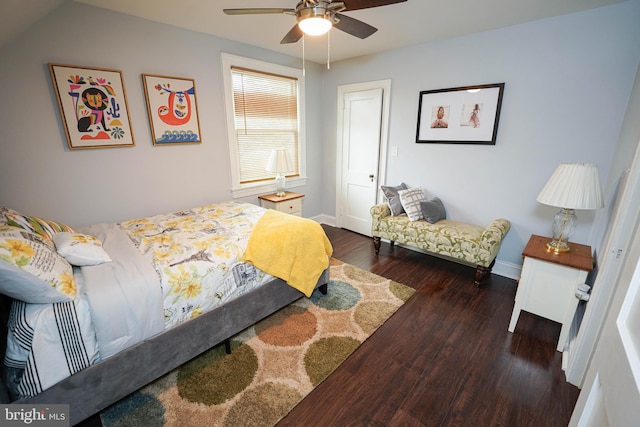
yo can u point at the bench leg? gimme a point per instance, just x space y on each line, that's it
376 244
482 272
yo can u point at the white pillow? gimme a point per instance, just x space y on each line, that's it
410 200
80 249
31 270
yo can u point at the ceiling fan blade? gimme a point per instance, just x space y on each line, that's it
259 10
354 27
366 4
293 35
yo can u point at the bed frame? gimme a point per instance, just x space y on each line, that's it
98 386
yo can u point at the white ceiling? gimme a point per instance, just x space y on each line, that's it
401 24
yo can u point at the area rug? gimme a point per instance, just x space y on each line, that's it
273 364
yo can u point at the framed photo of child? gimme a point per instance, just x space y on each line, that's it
461 115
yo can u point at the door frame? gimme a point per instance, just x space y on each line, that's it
615 250
590 408
385 85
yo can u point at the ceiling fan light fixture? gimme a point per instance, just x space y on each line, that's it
315 26
317 17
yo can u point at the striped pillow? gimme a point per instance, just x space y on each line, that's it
410 200
43 227
4 211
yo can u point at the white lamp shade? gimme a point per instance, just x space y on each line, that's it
573 186
279 161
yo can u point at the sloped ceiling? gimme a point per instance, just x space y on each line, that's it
401 24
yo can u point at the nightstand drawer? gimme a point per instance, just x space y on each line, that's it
293 207
290 203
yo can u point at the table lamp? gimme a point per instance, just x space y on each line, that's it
280 164
572 186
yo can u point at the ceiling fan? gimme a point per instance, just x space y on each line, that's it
316 17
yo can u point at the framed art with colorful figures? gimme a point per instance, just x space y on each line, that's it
93 106
172 109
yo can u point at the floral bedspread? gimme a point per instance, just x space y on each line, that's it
196 253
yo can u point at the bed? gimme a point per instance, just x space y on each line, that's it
125 303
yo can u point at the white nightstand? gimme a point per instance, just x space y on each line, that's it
290 203
549 282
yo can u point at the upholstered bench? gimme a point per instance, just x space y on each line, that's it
458 241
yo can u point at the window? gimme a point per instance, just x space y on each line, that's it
265 110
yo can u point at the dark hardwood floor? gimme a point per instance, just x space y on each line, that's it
445 358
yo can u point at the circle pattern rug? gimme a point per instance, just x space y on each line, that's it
273 364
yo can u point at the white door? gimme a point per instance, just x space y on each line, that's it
611 395
360 133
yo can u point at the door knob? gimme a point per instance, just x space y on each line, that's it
371 177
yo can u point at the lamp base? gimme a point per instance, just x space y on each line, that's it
563 225
280 183
557 247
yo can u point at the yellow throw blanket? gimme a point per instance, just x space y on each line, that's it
289 247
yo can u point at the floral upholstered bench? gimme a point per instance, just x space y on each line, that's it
458 241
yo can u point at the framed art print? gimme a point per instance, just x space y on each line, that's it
172 109
461 115
93 106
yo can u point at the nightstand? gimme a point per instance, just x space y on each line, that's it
549 282
290 203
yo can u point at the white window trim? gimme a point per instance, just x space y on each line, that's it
254 188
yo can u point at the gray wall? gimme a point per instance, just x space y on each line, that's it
41 176
568 81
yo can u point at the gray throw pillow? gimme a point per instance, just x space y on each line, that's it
433 210
393 200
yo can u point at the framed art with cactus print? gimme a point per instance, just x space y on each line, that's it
172 109
93 106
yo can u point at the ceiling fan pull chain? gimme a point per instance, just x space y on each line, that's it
303 71
329 50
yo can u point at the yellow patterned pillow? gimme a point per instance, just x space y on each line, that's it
43 227
30 268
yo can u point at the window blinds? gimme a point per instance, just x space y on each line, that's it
266 117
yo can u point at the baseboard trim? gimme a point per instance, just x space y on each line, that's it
325 219
507 269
